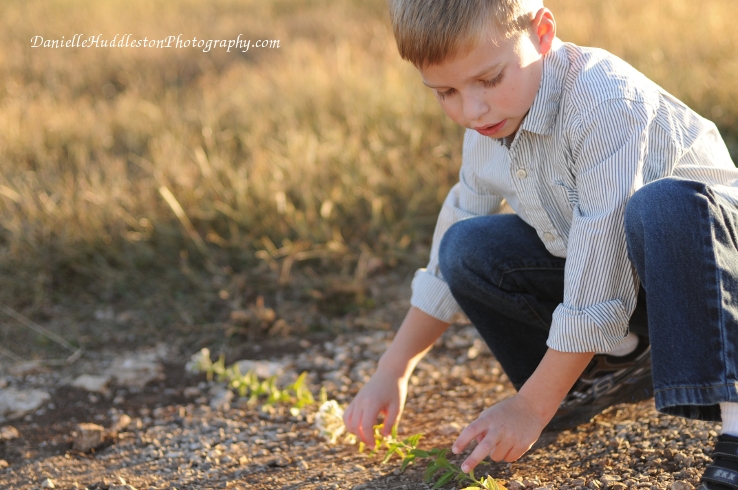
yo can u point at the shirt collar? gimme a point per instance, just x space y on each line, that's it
542 113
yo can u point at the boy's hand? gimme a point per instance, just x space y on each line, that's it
504 432
507 430
384 393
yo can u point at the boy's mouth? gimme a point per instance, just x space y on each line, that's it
492 129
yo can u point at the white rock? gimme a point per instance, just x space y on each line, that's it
27 367
136 371
263 369
8 433
16 403
88 436
120 424
92 382
48 483
681 485
221 399
452 428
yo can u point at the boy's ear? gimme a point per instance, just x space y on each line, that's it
544 29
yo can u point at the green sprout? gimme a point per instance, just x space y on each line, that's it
329 420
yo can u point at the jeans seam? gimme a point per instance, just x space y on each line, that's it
517 269
721 318
693 387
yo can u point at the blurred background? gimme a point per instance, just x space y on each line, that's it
147 193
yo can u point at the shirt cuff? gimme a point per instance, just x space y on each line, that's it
433 296
599 328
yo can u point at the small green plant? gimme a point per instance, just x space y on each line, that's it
329 420
296 394
407 449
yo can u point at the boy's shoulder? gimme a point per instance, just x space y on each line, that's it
588 77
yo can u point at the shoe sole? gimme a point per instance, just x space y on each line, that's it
641 390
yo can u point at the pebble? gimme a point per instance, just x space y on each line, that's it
120 424
8 433
681 485
93 383
87 437
263 369
16 403
25 368
221 399
48 483
3 464
136 371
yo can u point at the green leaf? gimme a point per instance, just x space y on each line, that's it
394 431
444 479
392 450
362 446
420 453
407 461
442 462
429 471
413 440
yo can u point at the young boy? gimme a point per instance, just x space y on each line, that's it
614 183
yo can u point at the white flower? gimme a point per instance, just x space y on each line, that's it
199 362
329 420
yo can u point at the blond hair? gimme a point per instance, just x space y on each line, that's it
429 31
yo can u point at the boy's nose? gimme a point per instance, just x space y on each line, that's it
474 109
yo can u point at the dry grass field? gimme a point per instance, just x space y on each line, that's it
125 171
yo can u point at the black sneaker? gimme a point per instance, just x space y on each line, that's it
722 474
606 381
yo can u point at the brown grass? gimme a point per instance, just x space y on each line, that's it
327 147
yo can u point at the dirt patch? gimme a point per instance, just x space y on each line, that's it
181 442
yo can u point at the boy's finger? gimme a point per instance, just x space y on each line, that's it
347 418
480 452
471 432
390 419
367 428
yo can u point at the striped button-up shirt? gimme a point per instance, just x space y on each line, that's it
597 131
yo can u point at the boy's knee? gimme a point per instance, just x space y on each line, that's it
454 250
662 199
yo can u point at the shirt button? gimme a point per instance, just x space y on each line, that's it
521 173
549 237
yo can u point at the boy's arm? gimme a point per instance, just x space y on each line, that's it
386 391
470 197
508 429
609 149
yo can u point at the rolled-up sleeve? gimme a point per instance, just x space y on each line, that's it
468 198
601 284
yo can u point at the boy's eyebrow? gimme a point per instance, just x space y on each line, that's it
483 72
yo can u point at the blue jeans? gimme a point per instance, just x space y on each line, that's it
683 242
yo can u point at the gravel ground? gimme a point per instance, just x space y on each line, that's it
183 434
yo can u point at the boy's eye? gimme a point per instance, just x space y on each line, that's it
444 94
493 81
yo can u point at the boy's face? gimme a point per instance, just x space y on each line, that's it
491 88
